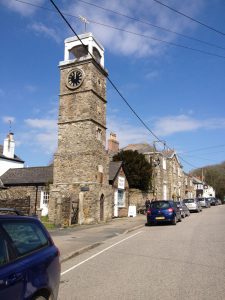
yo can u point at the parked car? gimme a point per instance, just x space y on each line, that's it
219 201
213 201
163 211
193 205
29 260
183 209
204 202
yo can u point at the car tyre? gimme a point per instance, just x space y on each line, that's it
40 298
174 222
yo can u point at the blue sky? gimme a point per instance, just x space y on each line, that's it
179 93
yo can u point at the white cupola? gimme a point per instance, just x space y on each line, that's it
9 146
74 49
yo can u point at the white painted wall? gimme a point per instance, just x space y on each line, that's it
5 165
209 192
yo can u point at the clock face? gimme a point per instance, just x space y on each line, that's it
74 78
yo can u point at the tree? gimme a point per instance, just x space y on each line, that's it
215 176
138 170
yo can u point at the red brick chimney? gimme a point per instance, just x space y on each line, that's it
113 144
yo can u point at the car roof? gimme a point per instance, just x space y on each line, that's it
14 210
18 217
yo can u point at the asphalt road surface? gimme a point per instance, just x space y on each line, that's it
186 261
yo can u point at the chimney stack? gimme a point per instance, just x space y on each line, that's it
9 146
113 144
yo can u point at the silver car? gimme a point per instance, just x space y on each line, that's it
193 205
204 202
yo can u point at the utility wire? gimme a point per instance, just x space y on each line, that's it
114 86
205 148
190 18
144 124
135 33
150 24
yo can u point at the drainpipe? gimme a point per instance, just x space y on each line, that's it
35 206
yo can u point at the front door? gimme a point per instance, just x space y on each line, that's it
44 203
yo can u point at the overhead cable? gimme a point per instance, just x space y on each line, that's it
190 18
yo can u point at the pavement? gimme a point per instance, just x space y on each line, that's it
78 239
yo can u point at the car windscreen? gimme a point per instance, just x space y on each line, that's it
160 205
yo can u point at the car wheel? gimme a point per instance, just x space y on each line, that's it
174 222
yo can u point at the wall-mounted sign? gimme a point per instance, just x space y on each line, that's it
121 183
84 188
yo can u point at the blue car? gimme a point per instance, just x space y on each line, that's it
163 211
29 260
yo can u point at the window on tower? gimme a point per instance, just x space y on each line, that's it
99 134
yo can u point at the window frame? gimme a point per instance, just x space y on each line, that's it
17 254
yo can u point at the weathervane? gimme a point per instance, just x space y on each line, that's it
85 21
10 125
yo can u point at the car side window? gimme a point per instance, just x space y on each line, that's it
4 257
26 236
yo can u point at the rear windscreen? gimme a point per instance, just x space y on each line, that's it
189 201
160 204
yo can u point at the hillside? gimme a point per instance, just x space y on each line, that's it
213 175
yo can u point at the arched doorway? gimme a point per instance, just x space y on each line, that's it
102 207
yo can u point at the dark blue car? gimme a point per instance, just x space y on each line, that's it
29 260
163 211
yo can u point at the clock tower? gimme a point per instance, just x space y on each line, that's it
80 192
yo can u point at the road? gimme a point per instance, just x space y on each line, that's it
186 261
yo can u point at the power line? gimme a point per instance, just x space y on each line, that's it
152 25
133 33
190 18
114 86
117 90
205 148
111 82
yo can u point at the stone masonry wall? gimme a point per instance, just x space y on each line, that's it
22 198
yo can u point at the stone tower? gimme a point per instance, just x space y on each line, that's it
80 188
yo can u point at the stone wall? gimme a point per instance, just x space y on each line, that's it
24 198
138 197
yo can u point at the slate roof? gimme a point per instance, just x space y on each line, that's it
141 147
1 185
16 158
114 167
28 176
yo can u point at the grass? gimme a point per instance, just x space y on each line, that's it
48 225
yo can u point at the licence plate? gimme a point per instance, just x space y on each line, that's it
160 218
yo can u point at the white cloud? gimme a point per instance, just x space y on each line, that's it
133 45
7 119
46 124
40 28
173 124
22 8
152 75
41 133
127 133
30 88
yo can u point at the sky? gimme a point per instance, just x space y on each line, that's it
169 68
